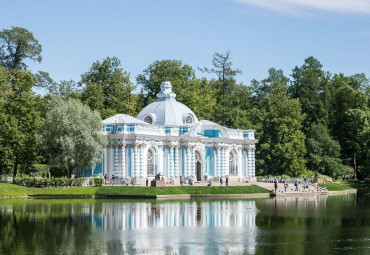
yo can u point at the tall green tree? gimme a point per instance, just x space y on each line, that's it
357 127
16 45
76 141
20 122
323 152
281 148
349 108
108 89
224 84
310 85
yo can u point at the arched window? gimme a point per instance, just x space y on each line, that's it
148 119
189 119
150 162
232 164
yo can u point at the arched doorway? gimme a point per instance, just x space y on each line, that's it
233 170
198 165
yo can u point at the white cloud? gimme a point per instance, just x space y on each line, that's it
304 6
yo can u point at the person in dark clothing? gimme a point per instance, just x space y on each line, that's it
276 186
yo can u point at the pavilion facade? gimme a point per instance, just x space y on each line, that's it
167 137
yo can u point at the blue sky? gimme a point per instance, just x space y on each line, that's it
259 33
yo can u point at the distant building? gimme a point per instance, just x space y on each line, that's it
167 137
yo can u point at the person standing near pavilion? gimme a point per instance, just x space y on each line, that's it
276 186
181 180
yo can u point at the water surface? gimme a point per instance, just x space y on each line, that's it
302 225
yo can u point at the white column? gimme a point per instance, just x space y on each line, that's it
160 159
136 169
253 163
111 161
116 161
105 161
170 156
176 163
240 162
223 162
249 162
193 161
141 160
187 168
218 160
123 161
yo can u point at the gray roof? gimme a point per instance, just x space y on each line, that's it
123 119
167 111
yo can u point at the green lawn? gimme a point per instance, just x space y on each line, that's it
175 190
335 186
11 190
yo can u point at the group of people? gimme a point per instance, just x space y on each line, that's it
132 181
297 182
115 180
226 180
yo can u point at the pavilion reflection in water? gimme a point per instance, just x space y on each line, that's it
141 215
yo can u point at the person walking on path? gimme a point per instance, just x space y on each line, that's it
105 178
227 180
285 185
221 181
296 185
190 182
276 186
181 180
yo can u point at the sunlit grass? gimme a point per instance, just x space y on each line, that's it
335 186
12 190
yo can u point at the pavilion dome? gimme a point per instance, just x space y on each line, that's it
167 111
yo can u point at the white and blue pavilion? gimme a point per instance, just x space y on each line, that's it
167 137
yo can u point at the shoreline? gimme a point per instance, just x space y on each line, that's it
184 196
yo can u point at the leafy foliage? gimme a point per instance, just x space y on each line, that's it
107 88
16 45
71 134
323 152
281 146
312 121
20 121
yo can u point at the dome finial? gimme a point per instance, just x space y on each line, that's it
166 92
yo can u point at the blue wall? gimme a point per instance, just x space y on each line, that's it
209 160
212 133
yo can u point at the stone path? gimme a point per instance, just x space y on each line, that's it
312 189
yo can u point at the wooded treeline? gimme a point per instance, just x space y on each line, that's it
310 119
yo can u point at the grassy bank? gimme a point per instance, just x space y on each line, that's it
11 190
336 186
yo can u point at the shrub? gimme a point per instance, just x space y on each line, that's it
54 182
98 182
17 180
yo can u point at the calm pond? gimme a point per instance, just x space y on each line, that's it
303 225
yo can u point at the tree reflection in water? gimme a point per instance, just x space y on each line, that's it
261 226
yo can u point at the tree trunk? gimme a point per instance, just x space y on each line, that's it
15 168
354 163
